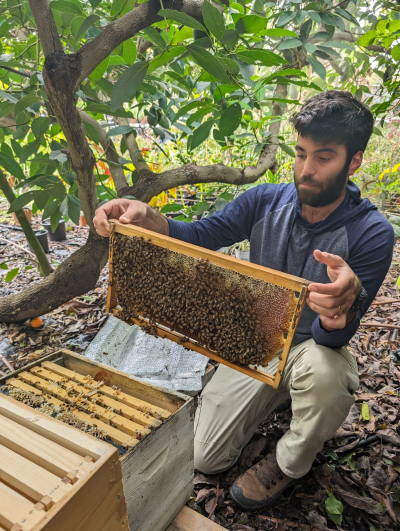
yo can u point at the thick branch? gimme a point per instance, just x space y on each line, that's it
134 151
117 172
118 31
46 27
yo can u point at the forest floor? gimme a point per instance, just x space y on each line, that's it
354 481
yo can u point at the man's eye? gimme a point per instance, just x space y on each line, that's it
324 160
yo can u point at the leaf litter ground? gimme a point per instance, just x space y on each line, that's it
354 481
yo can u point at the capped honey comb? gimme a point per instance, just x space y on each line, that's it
244 319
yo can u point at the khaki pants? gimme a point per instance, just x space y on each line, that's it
319 380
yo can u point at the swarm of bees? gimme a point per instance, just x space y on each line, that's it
241 318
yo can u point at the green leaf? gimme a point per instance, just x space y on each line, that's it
230 38
86 24
286 17
41 199
6 108
3 266
336 518
230 66
368 38
345 14
154 36
129 51
11 166
214 20
278 32
40 125
290 43
172 207
251 24
230 120
365 411
25 102
12 274
317 67
377 131
28 150
23 200
91 132
119 130
188 107
49 210
209 63
396 52
165 58
201 133
332 504
55 219
100 70
182 18
65 6
287 149
74 208
265 57
128 83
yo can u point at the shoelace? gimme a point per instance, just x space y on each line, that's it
266 475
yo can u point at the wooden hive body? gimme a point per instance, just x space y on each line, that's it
53 478
237 313
151 427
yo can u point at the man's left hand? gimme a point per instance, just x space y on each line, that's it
333 301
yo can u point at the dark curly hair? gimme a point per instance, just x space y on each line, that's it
336 116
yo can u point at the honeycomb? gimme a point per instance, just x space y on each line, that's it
243 319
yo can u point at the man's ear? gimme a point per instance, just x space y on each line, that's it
356 162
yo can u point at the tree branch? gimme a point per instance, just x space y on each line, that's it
117 172
118 31
152 185
134 151
46 27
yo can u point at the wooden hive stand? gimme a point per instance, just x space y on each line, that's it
296 287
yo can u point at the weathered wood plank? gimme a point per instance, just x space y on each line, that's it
189 520
162 467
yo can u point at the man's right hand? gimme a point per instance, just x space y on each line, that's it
129 211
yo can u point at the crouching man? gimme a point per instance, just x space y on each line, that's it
318 228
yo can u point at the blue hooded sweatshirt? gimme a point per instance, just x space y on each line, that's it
269 216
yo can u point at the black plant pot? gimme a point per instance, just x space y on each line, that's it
41 235
59 234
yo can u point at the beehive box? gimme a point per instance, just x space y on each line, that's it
152 428
237 313
54 478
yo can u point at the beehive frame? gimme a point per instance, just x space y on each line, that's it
296 285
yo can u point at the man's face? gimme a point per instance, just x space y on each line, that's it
320 172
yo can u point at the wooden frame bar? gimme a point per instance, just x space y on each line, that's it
284 280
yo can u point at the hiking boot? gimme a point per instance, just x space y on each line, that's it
261 485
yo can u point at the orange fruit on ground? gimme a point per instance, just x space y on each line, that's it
37 322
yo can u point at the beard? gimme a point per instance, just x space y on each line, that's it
325 193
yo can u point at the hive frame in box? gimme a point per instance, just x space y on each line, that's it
293 283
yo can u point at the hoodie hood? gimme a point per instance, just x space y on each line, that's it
352 206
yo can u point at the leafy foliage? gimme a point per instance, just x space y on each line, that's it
213 76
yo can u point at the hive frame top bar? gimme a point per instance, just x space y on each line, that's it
295 284
246 268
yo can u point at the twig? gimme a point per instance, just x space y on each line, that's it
216 500
380 303
383 325
2 373
7 363
19 247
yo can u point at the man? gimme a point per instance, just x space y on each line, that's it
317 228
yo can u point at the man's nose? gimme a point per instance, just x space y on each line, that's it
308 167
